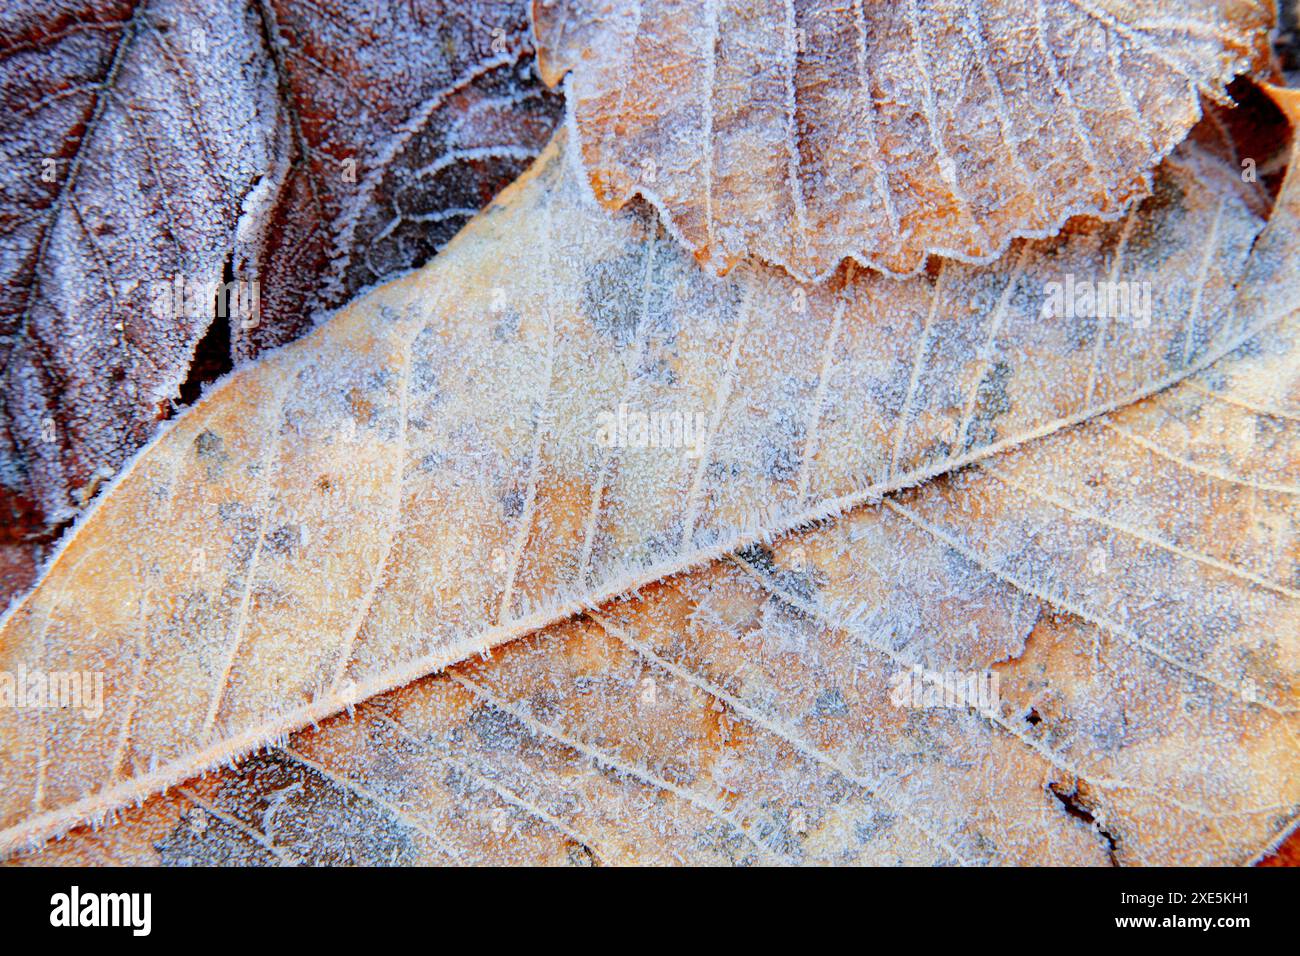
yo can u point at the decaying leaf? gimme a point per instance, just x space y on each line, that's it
1132 582
421 479
406 120
136 139
814 131
296 151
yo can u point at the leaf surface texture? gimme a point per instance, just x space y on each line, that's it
420 480
813 131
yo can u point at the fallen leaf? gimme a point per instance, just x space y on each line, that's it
1132 582
300 152
420 480
811 132
406 122
136 135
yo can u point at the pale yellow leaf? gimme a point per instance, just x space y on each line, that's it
1141 614
421 480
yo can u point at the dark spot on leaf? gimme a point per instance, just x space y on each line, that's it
284 539
209 446
495 729
991 401
513 503
612 291
829 703
759 557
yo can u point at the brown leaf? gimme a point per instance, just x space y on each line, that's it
136 135
816 131
421 478
302 151
406 122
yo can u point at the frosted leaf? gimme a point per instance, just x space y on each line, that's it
133 136
810 132
424 477
300 151
1139 608
406 122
